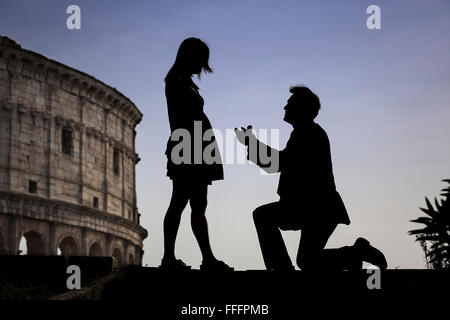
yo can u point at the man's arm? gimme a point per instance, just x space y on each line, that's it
261 154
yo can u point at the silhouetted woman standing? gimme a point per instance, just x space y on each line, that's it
190 179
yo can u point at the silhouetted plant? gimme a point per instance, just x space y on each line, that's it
434 238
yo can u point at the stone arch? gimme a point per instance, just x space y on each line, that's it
68 245
131 258
117 253
95 250
35 243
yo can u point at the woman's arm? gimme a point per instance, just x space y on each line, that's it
183 104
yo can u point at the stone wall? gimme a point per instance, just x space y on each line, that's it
42 103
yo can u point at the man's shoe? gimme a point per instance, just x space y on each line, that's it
370 254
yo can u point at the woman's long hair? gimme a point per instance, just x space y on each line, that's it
191 51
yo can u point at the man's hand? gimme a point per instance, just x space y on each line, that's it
244 136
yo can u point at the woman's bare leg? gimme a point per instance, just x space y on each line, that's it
180 197
198 202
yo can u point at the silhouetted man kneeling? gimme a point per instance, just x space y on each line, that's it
308 197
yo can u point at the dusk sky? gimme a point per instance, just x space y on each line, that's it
384 93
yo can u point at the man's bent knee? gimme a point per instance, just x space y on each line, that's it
259 214
266 214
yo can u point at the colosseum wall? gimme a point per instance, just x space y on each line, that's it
67 160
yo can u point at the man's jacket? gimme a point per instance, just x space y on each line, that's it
306 184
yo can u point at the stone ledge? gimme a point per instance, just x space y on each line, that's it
295 295
260 286
25 277
55 209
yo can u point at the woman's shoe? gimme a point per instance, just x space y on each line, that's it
173 265
216 266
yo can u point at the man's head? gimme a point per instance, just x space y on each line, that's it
302 106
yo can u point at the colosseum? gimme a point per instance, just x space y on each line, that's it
67 161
